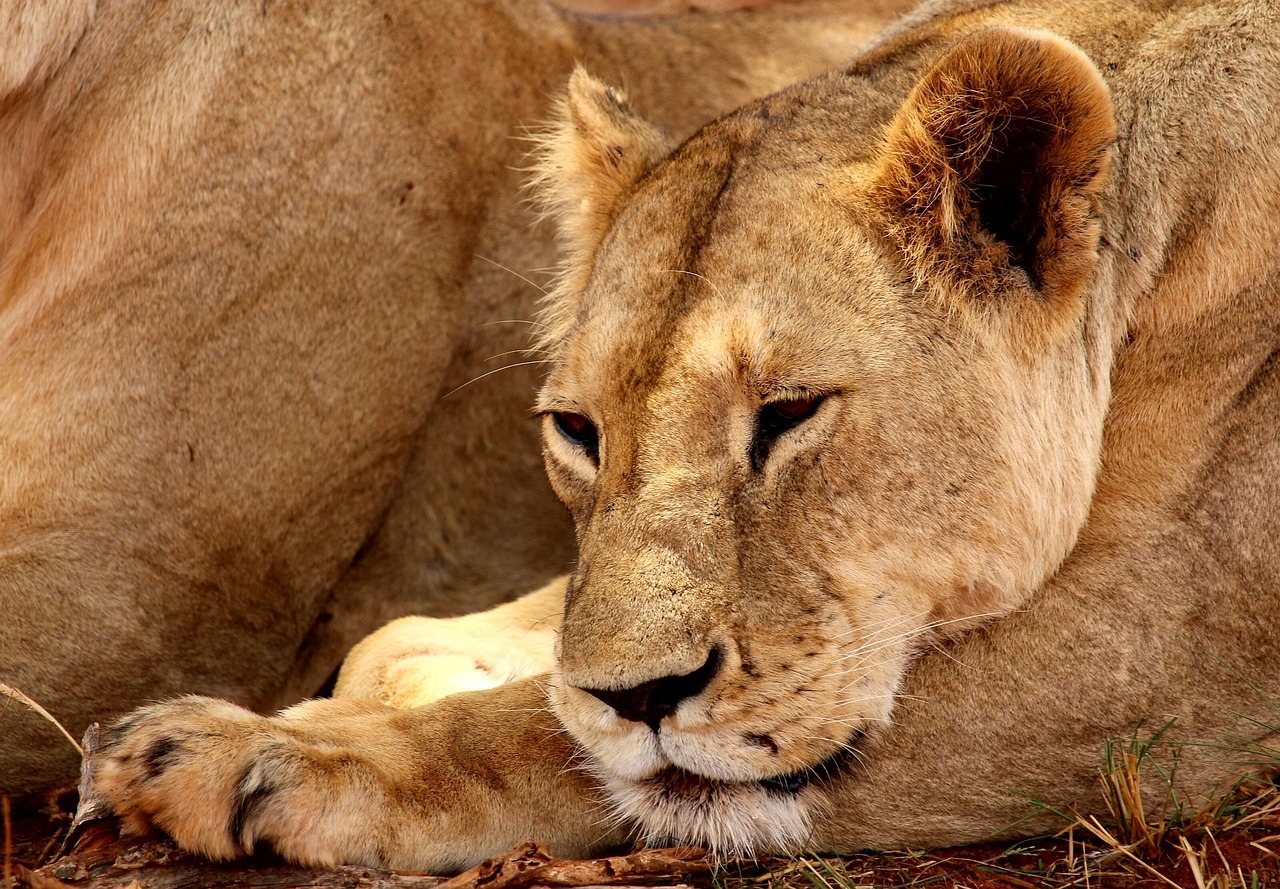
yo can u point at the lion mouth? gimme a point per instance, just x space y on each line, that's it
682 783
730 817
794 782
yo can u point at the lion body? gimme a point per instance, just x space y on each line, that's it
253 275
917 425
1066 368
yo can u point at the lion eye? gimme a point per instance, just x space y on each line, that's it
791 412
579 431
775 420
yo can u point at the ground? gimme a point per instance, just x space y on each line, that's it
1236 846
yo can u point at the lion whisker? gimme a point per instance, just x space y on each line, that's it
510 321
714 289
509 271
492 372
531 350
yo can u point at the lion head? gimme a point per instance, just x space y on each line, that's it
824 390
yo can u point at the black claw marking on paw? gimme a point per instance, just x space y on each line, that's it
158 757
250 793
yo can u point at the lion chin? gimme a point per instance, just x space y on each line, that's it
731 818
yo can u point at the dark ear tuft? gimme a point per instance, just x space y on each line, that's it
993 167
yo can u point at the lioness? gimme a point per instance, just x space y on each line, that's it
251 256
982 324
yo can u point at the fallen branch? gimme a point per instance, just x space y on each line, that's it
530 865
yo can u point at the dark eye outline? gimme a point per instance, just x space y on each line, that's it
579 431
776 419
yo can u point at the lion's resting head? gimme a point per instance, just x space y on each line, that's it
822 392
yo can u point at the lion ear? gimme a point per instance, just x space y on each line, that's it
992 171
595 151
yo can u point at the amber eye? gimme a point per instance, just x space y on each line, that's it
776 419
792 411
578 430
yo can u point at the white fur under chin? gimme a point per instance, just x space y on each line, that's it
729 819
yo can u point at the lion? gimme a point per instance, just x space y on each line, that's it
917 425
257 318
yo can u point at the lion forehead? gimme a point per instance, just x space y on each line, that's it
762 310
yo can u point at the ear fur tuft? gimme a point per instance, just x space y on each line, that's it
992 174
590 157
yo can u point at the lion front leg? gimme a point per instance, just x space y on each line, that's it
341 781
418 660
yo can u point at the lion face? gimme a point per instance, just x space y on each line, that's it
820 396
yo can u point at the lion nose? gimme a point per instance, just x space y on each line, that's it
649 702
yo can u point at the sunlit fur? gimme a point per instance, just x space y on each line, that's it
267 281
819 572
1034 510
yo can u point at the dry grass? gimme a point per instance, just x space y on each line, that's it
13 694
1232 844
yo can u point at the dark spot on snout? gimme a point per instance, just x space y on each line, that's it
763 741
651 702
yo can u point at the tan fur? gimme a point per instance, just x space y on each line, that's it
35 40
1002 256
598 148
260 273
417 660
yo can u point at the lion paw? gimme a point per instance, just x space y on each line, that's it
416 661
222 780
